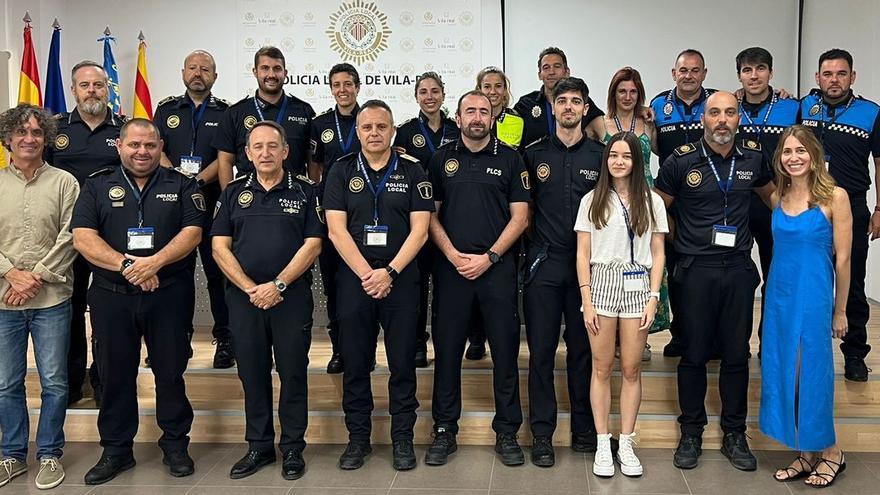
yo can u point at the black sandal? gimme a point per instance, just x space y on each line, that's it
805 470
829 478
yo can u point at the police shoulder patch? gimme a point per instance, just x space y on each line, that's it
426 190
537 141
684 149
199 201
102 171
305 179
409 158
751 144
164 101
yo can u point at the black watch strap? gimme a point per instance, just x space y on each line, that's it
125 264
392 272
493 256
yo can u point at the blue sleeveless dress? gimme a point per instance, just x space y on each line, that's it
797 367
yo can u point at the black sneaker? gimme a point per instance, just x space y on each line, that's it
672 349
475 351
179 463
440 449
542 452
404 455
223 358
510 451
354 455
735 447
855 369
688 452
583 443
334 367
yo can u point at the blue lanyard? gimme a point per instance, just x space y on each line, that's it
745 114
629 229
378 189
138 195
428 136
346 146
632 127
551 122
725 187
196 120
670 98
281 111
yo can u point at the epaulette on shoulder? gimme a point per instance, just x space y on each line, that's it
181 172
122 118
407 121
510 111
542 139
325 112
751 144
105 170
237 180
447 144
684 149
221 101
167 100
305 179
59 116
409 158
346 156
507 145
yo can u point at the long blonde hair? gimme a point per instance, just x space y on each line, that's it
821 183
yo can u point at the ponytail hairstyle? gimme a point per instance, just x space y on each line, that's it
641 207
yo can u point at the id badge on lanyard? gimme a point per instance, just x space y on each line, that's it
724 235
140 238
376 235
634 281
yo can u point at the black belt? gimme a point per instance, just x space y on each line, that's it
129 289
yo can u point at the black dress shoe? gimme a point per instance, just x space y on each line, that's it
422 356
179 463
354 455
542 452
107 468
334 367
509 450
440 449
73 397
251 463
672 349
223 358
688 452
735 447
293 466
584 443
404 455
475 351
855 369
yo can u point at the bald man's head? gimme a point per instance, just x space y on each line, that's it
720 118
199 72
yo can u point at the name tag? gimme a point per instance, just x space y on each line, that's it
140 238
724 235
376 235
634 281
192 165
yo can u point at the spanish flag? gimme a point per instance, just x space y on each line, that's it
29 79
143 105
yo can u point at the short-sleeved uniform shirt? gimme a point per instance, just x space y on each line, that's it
406 191
699 203
764 122
560 177
537 112
187 129
81 150
677 122
417 138
333 135
108 204
268 227
850 135
476 190
241 117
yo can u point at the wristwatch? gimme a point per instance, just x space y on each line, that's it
655 295
493 257
281 286
125 264
391 272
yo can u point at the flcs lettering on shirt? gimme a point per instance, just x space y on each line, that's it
494 171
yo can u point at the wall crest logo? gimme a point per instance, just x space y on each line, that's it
358 31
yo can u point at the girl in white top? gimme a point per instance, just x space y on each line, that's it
621 226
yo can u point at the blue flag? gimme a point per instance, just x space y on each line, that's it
54 95
115 102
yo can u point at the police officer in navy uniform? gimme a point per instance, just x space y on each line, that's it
562 168
333 135
138 226
481 189
849 128
267 233
420 137
86 143
187 125
677 116
270 102
536 107
711 182
763 115
378 205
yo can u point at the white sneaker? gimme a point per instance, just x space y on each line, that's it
603 462
629 463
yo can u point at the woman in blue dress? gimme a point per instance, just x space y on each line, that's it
812 236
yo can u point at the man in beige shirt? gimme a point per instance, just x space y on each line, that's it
36 252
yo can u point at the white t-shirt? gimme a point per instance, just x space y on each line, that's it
611 243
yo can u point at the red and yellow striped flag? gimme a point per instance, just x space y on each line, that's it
29 79
143 104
